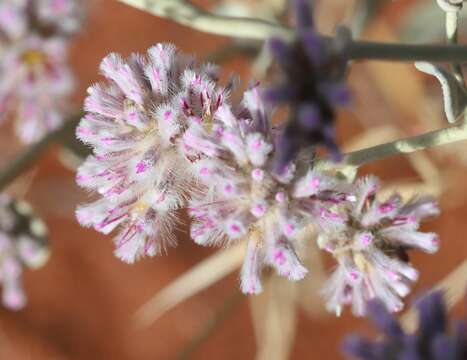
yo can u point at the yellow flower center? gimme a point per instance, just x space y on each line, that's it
34 57
140 207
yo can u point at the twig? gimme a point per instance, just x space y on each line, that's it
33 152
452 9
404 146
221 314
185 13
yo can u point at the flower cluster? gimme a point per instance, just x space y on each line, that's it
246 199
312 97
135 123
370 248
166 135
23 242
432 340
35 79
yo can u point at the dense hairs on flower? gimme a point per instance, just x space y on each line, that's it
135 121
371 248
248 200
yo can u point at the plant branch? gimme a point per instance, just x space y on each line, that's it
185 13
21 163
404 146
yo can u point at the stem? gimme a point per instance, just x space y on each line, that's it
221 314
360 50
185 13
452 25
404 146
33 152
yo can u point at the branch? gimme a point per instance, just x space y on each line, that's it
21 163
404 146
185 13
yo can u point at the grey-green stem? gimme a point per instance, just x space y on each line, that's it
408 145
185 13
23 161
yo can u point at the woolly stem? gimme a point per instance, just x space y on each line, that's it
408 145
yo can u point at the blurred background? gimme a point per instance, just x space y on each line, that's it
81 305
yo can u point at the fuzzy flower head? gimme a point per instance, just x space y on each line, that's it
311 87
434 339
134 121
35 79
247 200
23 242
370 249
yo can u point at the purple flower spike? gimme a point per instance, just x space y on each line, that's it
381 317
303 15
310 86
432 340
432 315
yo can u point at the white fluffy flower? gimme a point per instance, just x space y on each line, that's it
246 200
34 83
35 79
134 122
371 248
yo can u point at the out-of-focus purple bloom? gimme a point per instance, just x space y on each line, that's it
432 341
311 86
35 79
22 243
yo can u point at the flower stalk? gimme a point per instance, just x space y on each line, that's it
405 146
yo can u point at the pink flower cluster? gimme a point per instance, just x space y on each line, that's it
245 199
371 248
35 79
166 136
135 122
